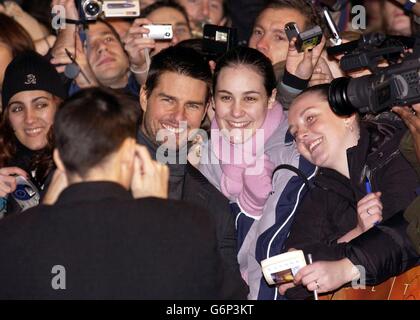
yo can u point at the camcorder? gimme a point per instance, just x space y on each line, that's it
386 87
217 40
92 9
304 40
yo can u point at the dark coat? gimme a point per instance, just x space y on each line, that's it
384 251
113 247
329 210
192 187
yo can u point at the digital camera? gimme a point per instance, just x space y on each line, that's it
92 9
159 31
26 194
305 40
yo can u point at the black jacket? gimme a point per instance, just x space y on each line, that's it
384 251
113 247
188 184
329 210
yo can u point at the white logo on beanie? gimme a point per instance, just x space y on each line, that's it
30 79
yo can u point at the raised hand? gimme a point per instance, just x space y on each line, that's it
150 177
8 179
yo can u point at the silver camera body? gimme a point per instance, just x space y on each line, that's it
159 31
92 9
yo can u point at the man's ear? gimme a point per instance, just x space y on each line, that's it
272 99
143 98
57 160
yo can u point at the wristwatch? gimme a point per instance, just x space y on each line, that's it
409 4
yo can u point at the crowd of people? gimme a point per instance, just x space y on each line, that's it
150 169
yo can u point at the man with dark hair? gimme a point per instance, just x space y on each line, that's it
174 100
268 35
100 241
101 57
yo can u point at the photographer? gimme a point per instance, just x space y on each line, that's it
31 95
268 34
101 58
138 44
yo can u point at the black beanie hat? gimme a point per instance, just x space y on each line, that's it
31 71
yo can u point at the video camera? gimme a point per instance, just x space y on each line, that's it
396 84
92 9
304 40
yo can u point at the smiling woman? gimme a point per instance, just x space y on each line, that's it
31 93
248 140
363 181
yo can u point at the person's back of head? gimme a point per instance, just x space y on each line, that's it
90 127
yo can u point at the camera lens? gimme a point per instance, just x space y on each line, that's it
92 8
349 95
337 97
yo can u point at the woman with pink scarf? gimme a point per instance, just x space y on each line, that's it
249 140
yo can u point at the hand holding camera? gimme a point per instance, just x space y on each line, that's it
141 37
14 182
8 179
302 64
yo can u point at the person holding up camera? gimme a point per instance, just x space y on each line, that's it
140 46
100 60
31 94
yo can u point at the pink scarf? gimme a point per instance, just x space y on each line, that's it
246 170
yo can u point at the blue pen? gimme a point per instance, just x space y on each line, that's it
368 186
369 190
